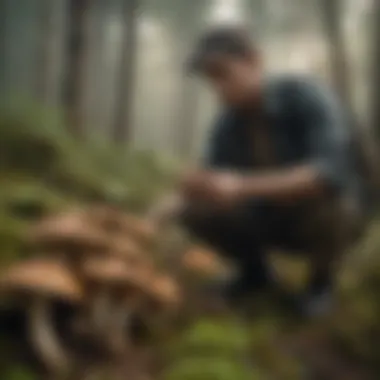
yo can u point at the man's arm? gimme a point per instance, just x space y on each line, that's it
287 184
323 168
173 204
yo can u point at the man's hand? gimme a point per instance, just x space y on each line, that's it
222 189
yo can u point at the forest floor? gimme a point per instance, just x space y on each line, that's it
43 172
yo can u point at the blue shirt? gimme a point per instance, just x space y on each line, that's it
306 125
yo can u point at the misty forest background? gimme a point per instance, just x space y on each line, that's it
95 106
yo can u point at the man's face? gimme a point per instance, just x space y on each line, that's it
236 80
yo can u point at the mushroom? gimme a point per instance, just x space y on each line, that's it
68 231
115 222
203 261
141 229
105 217
69 237
38 283
163 294
161 302
126 248
116 287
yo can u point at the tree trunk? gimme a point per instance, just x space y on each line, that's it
3 49
257 14
125 80
364 141
98 88
375 71
76 65
187 116
331 16
187 26
49 54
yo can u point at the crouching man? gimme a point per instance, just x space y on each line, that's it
279 171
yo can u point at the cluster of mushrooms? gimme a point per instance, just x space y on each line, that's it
96 267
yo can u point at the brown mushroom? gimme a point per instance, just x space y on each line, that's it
115 222
163 293
161 302
70 239
78 235
39 282
116 288
126 248
105 217
141 229
203 261
67 232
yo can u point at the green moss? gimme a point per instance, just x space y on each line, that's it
18 374
211 369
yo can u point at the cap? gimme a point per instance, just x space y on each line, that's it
41 277
67 230
232 40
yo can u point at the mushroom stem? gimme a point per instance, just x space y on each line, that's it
44 338
100 309
119 320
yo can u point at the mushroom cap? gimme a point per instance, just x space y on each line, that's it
142 229
67 229
126 248
105 217
202 260
41 277
115 272
114 221
164 291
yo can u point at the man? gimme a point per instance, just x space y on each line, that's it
279 171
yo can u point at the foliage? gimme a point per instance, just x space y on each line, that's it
34 147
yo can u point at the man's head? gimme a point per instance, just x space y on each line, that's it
227 58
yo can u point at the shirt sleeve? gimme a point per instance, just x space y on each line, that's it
325 132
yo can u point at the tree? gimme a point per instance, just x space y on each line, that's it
375 70
188 15
184 19
3 32
77 51
49 55
331 12
256 12
123 114
331 17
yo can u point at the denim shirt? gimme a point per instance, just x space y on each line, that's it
306 124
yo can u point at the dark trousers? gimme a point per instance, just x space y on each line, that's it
321 229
